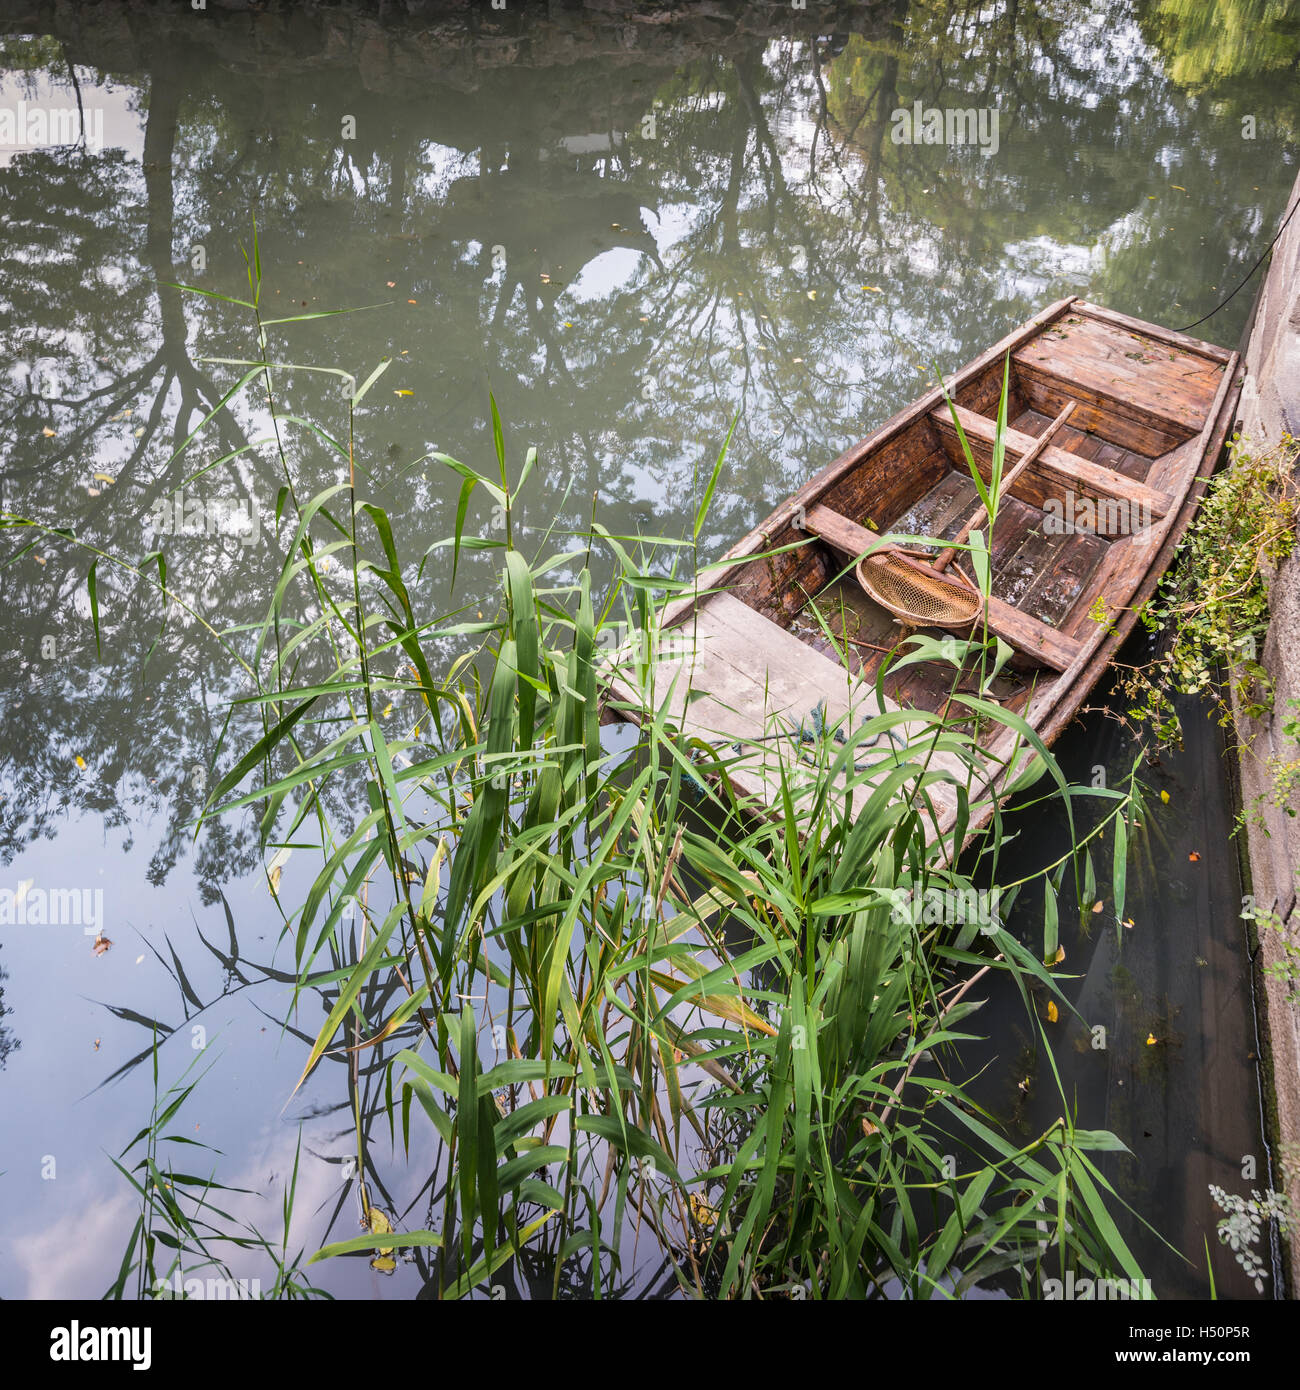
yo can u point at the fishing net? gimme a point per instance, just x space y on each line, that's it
921 599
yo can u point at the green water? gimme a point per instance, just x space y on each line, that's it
629 231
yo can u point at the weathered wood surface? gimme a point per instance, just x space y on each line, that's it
1153 332
746 687
1134 392
1024 633
1056 473
979 518
778 529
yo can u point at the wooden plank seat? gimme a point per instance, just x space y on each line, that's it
1056 472
1025 633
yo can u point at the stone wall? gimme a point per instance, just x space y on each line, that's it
1270 406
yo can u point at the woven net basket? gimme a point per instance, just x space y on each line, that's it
920 599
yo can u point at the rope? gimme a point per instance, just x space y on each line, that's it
1249 273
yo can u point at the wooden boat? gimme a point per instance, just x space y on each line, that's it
781 626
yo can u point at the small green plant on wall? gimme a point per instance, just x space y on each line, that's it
1213 606
1242 1228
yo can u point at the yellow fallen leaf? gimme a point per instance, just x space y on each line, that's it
274 879
48 432
702 1211
403 393
1053 1013
388 709
873 289
1178 186
81 762
1059 956
1097 906
1164 796
105 478
139 432
1152 1040
380 1225
812 294
101 944
1129 923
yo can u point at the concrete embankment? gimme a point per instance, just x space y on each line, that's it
1270 407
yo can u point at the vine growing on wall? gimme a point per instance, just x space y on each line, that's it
1213 606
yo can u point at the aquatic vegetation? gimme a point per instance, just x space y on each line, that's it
607 998
1213 605
175 1247
1243 1227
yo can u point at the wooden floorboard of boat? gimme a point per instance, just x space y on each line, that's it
1021 630
1055 591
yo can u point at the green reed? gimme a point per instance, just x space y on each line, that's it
624 1000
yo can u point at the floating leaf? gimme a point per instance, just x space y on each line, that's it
403 393
81 762
1053 1013
48 432
380 1225
1164 796
1152 1040
1194 857
703 1212
101 944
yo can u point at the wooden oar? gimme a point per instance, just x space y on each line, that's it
981 515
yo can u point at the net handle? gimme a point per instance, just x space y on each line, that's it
981 514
